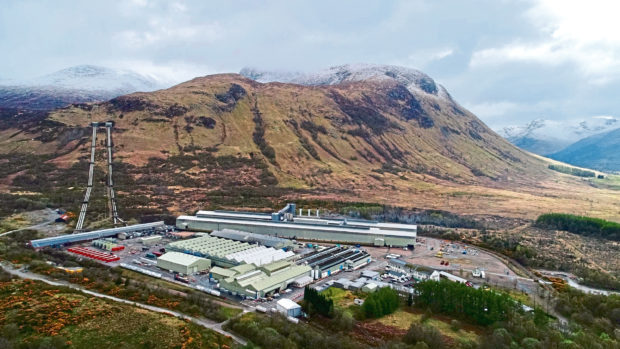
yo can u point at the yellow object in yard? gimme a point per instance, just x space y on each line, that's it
72 270
439 254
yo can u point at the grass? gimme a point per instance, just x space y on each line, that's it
402 319
228 313
13 222
47 313
342 298
158 282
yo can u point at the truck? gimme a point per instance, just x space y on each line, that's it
181 278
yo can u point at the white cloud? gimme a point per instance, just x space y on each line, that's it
488 111
423 57
166 73
581 33
165 33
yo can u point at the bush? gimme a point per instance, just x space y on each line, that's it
455 325
420 333
383 302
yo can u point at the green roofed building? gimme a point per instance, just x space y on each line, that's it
183 263
219 273
268 279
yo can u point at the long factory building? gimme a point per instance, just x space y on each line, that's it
98 234
287 224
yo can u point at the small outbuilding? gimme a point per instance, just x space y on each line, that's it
288 307
183 263
370 287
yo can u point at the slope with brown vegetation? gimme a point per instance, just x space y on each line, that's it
219 137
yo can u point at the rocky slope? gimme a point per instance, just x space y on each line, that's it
79 84
391 137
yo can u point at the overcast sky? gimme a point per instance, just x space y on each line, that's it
508 61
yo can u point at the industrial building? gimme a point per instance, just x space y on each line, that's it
151 240
147 228
258 282
265 240
334 259
286 224
228 253
288 308
399 267
183 263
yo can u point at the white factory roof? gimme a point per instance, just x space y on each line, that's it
288 304
293 226
179 258
259 255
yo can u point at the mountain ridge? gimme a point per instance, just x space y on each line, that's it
77 84
214 139
600 152
545 137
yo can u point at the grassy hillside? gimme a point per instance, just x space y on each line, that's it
225 140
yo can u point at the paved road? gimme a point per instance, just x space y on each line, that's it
217 327
36 226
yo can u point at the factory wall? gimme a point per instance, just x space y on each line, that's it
303 234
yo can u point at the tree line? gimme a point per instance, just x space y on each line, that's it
455 299
572 171
581 225
314 302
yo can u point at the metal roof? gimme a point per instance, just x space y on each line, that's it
180 258
211 246
397 261
288 304
242 268
92 235
226 273
266 240
280 276
271 267
367 230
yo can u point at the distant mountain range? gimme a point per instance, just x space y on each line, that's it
547 137
78 84
600 152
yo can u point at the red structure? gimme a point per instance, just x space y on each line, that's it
100 256
118 248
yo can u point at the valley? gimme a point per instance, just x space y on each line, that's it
383 143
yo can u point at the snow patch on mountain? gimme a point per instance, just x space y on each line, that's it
414 80
78 84
549 136
94 78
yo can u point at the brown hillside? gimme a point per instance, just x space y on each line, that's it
373 141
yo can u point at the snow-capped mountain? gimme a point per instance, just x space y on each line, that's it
600 152
412 78
78 84
545 137
95 78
